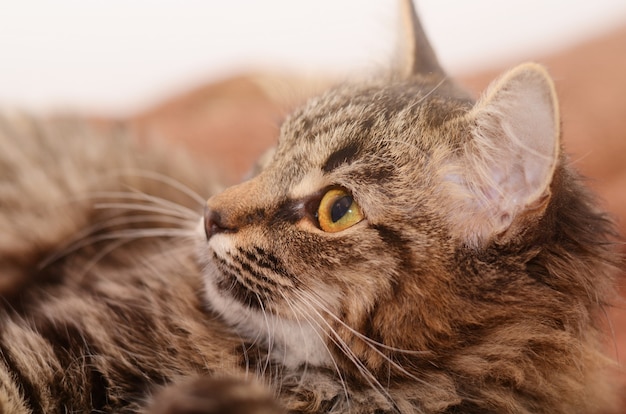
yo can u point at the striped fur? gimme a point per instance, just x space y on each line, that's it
475 281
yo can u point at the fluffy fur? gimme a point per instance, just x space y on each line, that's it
475 282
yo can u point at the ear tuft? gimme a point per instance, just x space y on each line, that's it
508 164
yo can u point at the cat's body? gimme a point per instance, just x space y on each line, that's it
83 333
404 250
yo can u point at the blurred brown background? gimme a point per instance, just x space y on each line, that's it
231 122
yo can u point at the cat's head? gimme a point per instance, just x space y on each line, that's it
396 222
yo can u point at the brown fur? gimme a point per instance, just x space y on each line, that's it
475 283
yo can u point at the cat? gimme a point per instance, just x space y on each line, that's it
403 249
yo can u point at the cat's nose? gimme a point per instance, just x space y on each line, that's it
214 223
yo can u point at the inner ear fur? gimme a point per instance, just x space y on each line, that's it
509 161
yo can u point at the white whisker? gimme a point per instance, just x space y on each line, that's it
132 234
360 365
135 219
310 320
306 296
141 207
373 343
78 241
101 254
137 195
423 98
270 336
162 178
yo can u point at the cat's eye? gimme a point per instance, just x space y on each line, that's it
338 211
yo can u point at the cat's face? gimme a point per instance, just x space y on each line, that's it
349 237
340 225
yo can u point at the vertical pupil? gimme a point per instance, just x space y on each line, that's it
340 207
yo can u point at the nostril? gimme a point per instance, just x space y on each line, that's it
214 224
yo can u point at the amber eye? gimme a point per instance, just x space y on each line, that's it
338 211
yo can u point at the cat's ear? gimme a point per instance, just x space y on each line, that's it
417 56
508 165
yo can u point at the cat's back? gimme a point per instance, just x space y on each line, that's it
100 292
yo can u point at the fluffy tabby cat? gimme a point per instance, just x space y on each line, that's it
404 250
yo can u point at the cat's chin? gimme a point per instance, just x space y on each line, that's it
289 342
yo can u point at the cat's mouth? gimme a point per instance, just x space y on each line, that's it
249 288
253 276
240 280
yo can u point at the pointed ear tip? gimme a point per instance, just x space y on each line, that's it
522 78
415 49
539 75
531 71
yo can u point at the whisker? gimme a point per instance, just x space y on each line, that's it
132 234
360 365
270 336
137 195
136 219
142 207
246 358
310 320
140 234
365 338
111 223
162 178
101 254
434 88
369 341
298 321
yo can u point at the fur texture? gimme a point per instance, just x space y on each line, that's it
472 280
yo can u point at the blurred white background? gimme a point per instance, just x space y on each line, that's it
116 57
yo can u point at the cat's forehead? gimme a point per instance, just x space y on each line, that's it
379 117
